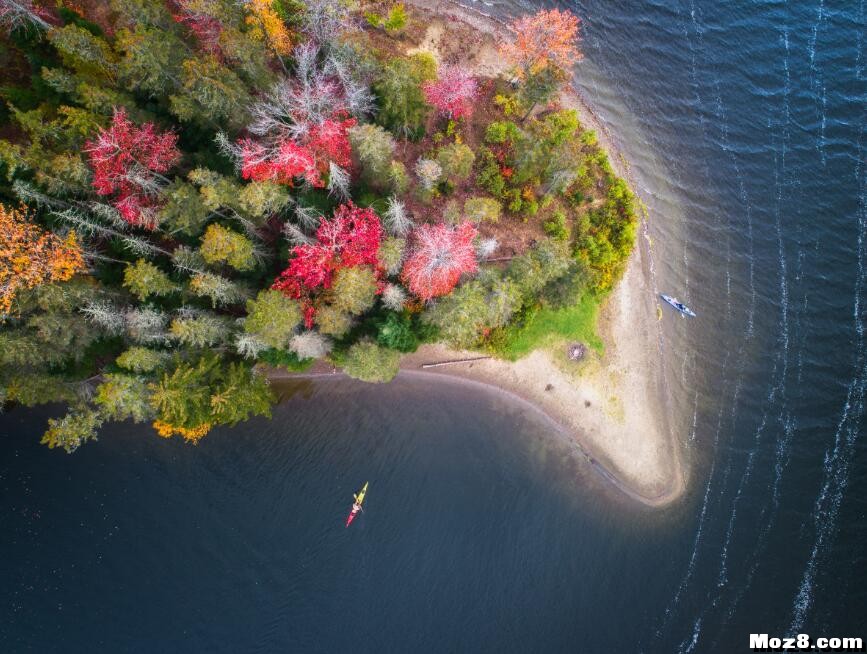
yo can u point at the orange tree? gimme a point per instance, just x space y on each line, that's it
30 256
548 38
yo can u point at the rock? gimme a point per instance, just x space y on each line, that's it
576 351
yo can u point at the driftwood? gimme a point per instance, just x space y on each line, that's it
437 364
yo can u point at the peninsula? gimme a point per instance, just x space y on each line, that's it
198 197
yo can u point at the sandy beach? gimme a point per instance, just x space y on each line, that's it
612 405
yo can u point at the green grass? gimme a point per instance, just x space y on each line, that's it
550 326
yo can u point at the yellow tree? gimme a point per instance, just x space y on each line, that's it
269 25
31 256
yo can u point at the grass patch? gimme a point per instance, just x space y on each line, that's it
548 326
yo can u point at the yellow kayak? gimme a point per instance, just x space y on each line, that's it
356 506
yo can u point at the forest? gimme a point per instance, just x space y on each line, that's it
195 192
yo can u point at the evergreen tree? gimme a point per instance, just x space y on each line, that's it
144 279
402 104
122 396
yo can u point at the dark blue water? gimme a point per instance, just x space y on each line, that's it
745 127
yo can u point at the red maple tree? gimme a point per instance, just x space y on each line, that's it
128 161
206 28
351 238
307 158
453 93
439 256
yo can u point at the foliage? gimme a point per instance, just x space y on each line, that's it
481 209
351 238
141 359
547 38
128 163
221 245
310 345
272 317
454 93
144 279
606 236
394 21
195 396
195 329
396 217
429 173
121 396
354 289
539 87
439 255
399 88
456 161
332 320
367 361
309 157
372 148
193 145
398 178
269 26
556 227
395 331
183 210
393 297
391 254
73 430
30 256
220 290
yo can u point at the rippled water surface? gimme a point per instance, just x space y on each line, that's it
745 127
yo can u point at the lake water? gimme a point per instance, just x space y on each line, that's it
745 127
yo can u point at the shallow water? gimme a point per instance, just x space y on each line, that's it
745 127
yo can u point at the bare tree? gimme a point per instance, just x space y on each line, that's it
21 13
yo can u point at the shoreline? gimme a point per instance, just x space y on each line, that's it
628 443
635 446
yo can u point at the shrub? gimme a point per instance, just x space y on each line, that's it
456 161
490 177
500 132
482 209
367 361
555 227
396 19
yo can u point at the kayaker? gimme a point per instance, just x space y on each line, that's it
356 507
